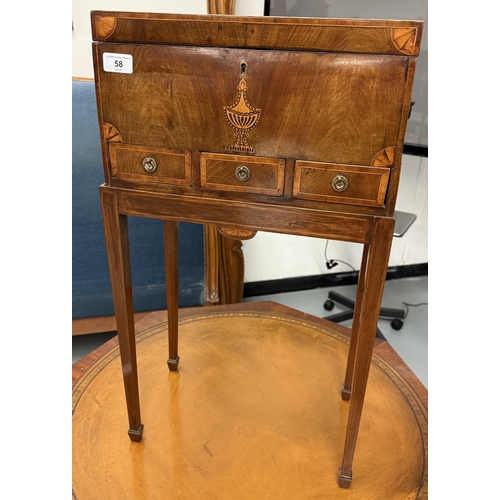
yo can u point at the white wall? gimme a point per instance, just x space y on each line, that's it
271 256
82 35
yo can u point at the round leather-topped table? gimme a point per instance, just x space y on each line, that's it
254 411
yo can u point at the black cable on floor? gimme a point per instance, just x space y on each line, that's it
413 305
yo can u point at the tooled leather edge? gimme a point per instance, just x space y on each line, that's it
104 27
384 158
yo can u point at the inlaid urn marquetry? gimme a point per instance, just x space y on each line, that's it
243 118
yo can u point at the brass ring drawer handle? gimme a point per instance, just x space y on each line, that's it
242 173
149 164
340 183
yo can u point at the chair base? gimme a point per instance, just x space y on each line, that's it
385 312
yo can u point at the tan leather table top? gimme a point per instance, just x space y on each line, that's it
254 411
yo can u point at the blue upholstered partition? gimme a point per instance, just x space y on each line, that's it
91 283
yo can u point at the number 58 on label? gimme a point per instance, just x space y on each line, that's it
117 63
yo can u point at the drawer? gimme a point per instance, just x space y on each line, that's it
340 183
245 174
146 163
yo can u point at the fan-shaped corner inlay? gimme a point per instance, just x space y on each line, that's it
404 39
385 157
111 133
105 27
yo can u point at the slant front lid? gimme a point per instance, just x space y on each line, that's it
343 108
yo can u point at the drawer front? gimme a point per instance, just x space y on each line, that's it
244 174
145 163
340 183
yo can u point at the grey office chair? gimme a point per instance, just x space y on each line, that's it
403 222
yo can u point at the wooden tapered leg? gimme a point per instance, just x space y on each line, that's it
374 281
347 385
117 242
171 243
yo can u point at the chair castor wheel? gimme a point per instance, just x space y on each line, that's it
328 305
396 324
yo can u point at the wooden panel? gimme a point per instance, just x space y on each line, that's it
219 172
366 185
370 36
172 166
312 106
247 215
